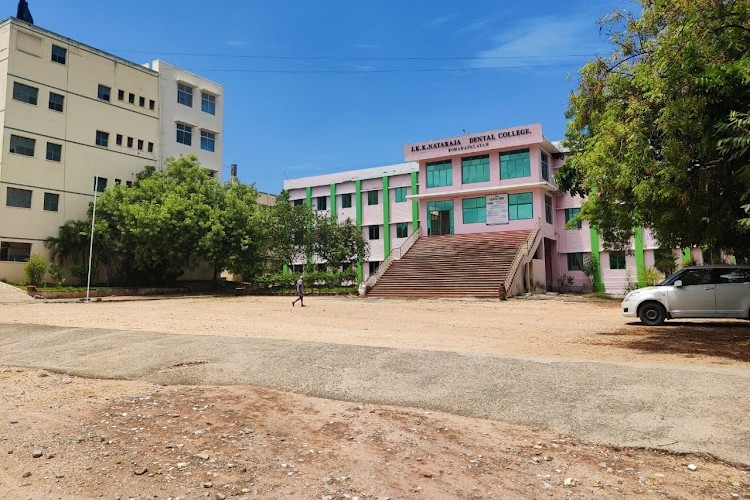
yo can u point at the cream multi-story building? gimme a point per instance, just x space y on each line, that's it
71 114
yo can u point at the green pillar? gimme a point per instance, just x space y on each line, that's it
310 206
640 263
358 211
687 255
286 269
414 203
598 285
333 200
386 216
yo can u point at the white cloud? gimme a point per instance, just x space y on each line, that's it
439 21
235 43
542 41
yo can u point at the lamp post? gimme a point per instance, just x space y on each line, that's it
91 244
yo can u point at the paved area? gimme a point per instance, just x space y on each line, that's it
682 409
12 295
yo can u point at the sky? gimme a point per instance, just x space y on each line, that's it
313 87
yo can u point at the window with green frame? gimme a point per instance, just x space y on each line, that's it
474 210
372 197
520 206
475 169
575 261
346 200
617 260
439 173
402 229
515 164
400 194
570 213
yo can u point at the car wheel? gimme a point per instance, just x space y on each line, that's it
652 314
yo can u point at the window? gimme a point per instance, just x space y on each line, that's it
738 275
51 201
548 209
100 184
56 102
570 213
298 203
128 183
54 151
693 277
373 266
25 93
545 167
402 230
439 174
102 138
515 164
185 95
575 261
140 144
151 104
11 251
59 54
130 142
131 98
22 145
474 210
475 169
373 232
20 198
400 194
322 203
120 95
617 260
372 197
142 102
184 134
520 206
118 139
208 103
118 182
104 92
208 141
150 147
346 200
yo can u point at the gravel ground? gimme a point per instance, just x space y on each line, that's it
532 374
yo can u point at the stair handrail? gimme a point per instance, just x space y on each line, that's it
523 251
394 254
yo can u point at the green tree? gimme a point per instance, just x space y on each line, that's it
647 125
35 269
287 231
337 243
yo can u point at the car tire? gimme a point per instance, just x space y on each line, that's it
652 314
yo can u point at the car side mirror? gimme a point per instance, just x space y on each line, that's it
677 283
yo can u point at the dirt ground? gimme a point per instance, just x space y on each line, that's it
66 437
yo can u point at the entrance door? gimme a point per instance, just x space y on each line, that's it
441 217
548 244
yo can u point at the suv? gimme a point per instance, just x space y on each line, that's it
693 292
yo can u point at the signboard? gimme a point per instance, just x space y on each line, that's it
497 209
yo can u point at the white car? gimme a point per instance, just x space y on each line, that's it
693 292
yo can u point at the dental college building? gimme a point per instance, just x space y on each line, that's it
467 193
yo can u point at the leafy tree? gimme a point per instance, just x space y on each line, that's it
338 243
287 231
650 127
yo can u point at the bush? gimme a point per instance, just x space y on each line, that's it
652 276
35 270
58 274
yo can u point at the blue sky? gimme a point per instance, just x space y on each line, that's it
313 87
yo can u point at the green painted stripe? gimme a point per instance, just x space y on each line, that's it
639 259
414 203
333 200
687 255
598 285
308 191
358 210
386 216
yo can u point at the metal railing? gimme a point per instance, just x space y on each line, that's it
522 253
395 254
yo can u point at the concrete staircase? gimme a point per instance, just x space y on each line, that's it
463 265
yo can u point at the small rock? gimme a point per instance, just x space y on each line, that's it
37 453
202 456
692 467
14 421
140 471
26 474
59 476
44 374
182 465
569 481
602 465
221 496
208 484
50 456
10 452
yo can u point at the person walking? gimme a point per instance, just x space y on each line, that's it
300 291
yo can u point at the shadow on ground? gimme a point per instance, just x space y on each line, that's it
729 340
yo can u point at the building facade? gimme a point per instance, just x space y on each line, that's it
73 114
488 182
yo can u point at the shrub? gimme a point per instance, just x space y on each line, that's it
58 273
591 266
35 269
652 276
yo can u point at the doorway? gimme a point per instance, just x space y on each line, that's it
441 217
